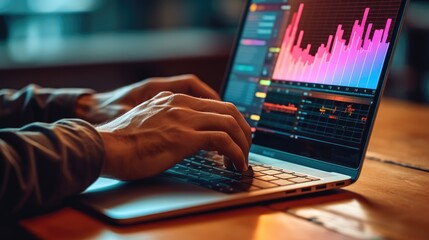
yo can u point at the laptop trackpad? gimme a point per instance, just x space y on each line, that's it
139 199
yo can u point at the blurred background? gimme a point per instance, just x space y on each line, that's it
103 44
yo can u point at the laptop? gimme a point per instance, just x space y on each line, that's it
308 76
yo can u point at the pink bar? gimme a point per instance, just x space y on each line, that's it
386 30
354 30
301 34
366 42
328 45
356 62
365 17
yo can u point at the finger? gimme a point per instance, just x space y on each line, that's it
192 85
207 121
207 105
223 143
228 164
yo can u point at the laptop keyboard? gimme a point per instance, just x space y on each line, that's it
206 169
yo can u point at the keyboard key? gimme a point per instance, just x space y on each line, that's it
258 174
283 182
200 160
271 172
285 176
187 178
267 178
214 164
224 172
235 177
190 165
178 170
299 174
214 178
246 179
208 170
253 188
313 178
253 163
201 182
262 184
218 171
299 180
259 168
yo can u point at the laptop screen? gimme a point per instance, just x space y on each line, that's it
307 74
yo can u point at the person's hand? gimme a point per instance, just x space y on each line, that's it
162 131
102 107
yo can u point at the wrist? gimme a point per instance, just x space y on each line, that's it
106 170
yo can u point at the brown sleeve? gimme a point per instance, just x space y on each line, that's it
41 164
36 104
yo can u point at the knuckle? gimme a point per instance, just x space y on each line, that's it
222 137
177 98
173 98
168 93
165 94
231 107
192 77
175 112
231 121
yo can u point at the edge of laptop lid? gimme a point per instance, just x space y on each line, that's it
353 172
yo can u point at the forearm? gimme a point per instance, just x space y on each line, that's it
35 104
41 164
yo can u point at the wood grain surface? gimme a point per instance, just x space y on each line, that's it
401 132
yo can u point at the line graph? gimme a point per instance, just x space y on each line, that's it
356 62
332 119
316 115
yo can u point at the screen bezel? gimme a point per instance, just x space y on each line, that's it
351 171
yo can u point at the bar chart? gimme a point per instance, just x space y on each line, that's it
356 61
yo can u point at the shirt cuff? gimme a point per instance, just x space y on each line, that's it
86 145
62 103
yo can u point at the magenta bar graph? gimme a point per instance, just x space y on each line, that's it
357 62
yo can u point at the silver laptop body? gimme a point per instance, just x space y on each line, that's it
309 81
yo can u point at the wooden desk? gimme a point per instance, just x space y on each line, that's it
388 201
